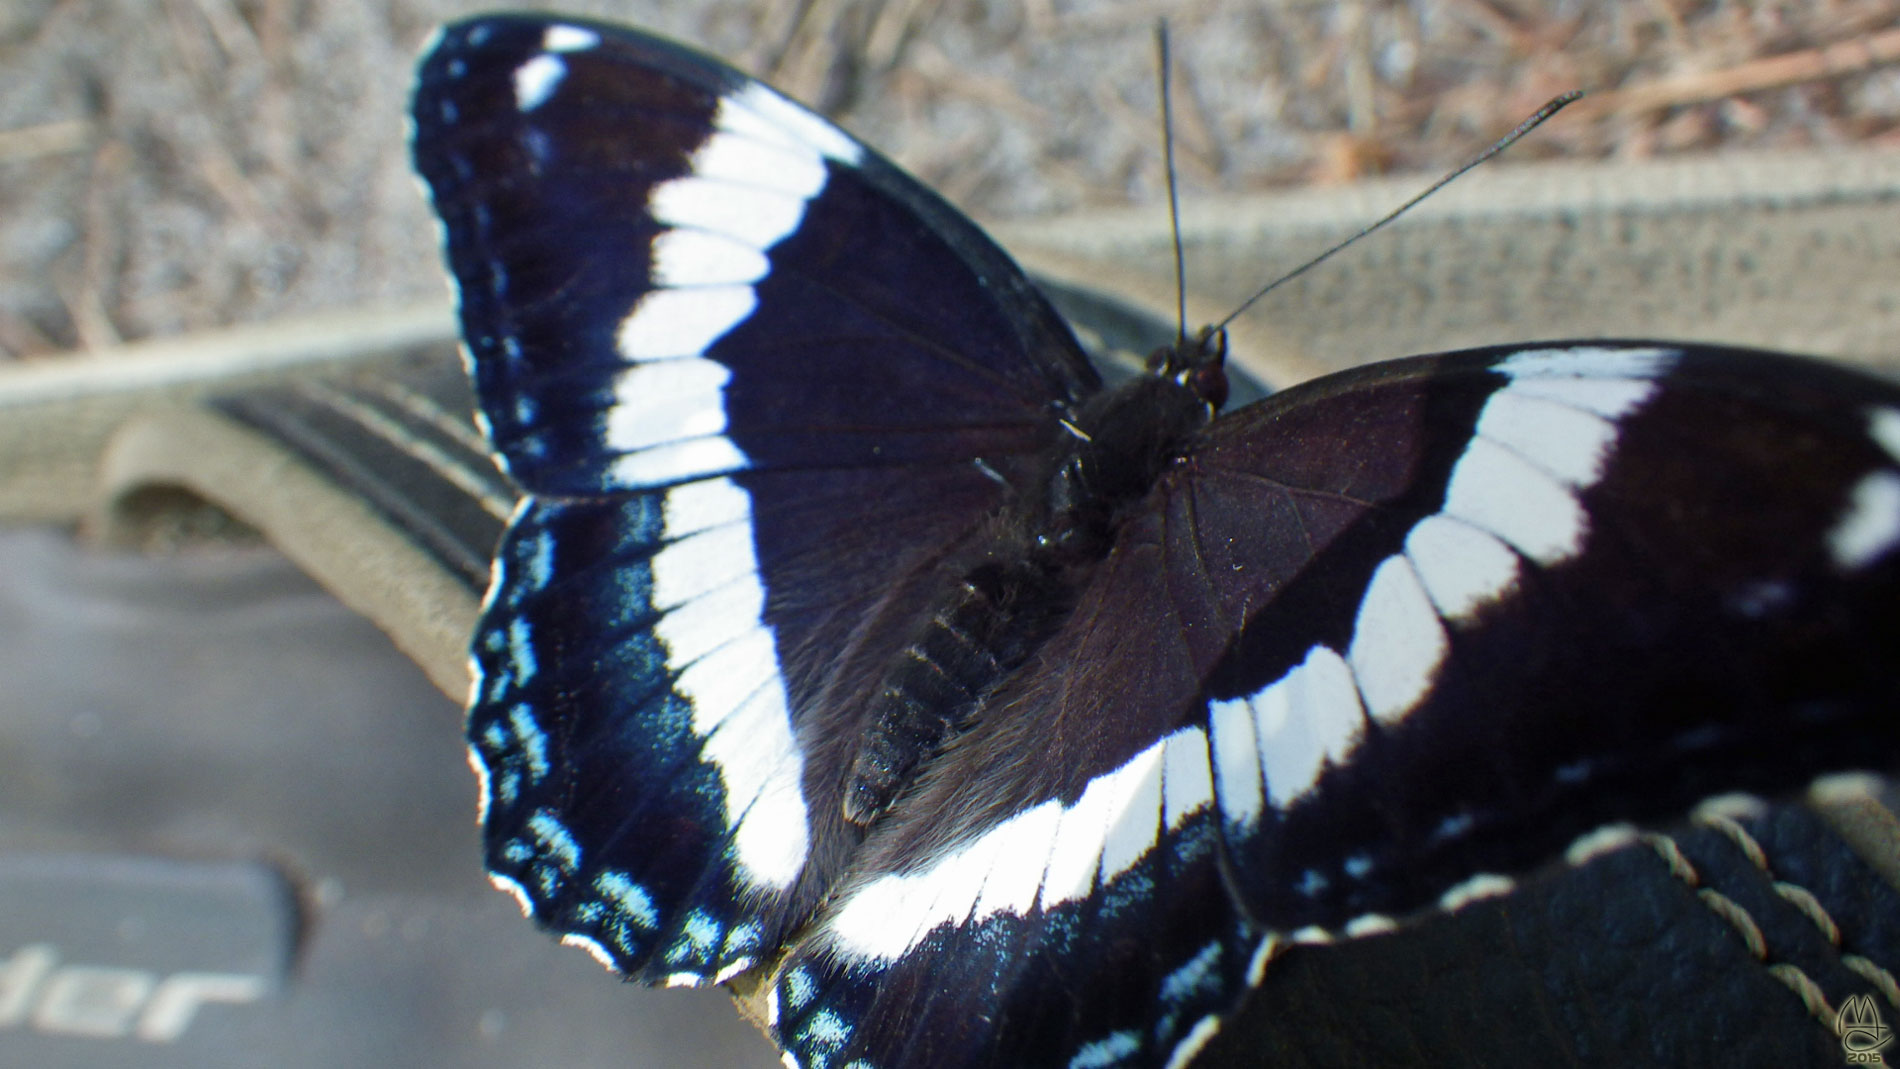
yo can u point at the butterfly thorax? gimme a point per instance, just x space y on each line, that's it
1119 442
989 621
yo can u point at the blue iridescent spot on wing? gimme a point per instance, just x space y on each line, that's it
589 582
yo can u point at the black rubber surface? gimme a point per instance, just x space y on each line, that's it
236 830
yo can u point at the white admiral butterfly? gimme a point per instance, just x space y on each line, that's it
851 629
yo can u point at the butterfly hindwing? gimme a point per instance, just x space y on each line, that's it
690 308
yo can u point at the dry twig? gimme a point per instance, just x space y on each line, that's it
1772 72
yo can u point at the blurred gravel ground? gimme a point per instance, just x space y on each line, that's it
174 165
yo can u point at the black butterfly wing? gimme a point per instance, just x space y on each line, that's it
1650 576
617 209
1375 645
744 369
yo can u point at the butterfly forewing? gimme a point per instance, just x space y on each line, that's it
651 249
745 371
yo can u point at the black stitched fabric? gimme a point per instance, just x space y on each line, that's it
1619 962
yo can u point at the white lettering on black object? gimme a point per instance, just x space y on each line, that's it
111 1002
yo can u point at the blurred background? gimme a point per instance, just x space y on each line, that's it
210 768
175 165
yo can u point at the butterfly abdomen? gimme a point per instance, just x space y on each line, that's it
983 628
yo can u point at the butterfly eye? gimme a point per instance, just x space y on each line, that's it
1209 383
1200 365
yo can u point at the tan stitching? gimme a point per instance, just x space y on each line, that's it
1851 807
1729 910
1803 899
1790 975
1806 990
1882 980
1738 835
1671 854
1809 906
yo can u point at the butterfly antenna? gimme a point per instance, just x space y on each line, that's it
1537 119
1165 66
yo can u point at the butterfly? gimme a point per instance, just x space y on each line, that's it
852 636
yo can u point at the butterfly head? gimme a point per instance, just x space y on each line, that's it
1198 363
